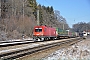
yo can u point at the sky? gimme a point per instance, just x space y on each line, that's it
74 11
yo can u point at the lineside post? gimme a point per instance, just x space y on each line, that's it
38 18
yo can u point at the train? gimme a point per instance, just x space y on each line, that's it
41 33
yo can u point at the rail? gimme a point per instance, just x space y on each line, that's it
17 53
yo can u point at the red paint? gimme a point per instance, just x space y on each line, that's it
46 31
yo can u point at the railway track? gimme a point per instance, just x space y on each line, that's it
17 42
23 51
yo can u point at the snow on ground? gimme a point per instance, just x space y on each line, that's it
20 39
79 51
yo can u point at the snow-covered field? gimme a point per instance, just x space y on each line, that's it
79 51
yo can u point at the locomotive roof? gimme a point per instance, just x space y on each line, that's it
43 26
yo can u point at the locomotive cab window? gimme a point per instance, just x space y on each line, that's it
38 30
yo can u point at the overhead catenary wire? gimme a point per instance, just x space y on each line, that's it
48 2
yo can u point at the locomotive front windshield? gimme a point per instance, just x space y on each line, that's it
38 30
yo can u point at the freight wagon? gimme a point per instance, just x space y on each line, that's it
61 33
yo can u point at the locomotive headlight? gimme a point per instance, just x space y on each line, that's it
41 33
37 34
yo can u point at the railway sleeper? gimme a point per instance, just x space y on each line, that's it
28 51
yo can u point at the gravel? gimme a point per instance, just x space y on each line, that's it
79 51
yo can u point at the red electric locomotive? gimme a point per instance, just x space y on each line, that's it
42 33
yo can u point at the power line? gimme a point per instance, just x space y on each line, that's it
44 1
48 2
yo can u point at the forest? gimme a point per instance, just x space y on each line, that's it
18 17
81 26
